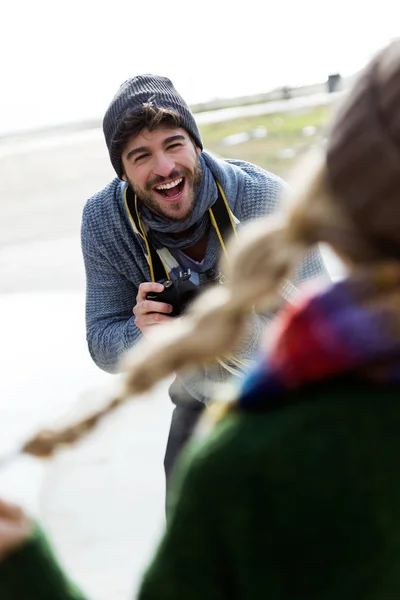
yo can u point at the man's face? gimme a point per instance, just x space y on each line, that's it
163 168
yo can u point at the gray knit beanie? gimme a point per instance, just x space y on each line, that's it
130 98
363 152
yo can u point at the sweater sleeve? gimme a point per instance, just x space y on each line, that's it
110 298
32 572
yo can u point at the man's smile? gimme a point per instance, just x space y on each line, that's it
172 190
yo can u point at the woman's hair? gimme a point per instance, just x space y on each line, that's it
264 253
326 208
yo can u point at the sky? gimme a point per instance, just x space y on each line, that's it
64 62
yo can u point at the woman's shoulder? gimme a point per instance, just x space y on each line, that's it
245 440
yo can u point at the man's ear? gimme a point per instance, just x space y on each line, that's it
123 177
198 151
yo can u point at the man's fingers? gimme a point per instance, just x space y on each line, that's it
147 320
146 287
151 306
153 319
150 312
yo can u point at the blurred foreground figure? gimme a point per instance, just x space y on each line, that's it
294 492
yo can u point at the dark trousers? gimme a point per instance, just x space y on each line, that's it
184 419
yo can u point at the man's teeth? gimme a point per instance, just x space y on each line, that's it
168 186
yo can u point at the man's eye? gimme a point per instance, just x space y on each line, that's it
140 157
173 146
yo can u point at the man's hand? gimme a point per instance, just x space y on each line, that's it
15 528
150 312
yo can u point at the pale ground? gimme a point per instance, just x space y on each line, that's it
101 502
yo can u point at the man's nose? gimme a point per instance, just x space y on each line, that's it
163 164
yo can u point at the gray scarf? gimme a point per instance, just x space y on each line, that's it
160 228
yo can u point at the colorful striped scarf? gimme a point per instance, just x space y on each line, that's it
353 326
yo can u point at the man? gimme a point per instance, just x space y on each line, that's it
159 214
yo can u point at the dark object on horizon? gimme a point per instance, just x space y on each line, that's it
334 82
286 92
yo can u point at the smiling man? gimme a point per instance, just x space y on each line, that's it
164 170
165 218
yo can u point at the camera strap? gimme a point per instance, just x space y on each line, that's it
221 219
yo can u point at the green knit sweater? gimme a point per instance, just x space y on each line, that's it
300 503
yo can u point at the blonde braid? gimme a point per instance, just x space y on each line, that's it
262 256
44 443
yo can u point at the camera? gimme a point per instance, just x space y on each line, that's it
181 292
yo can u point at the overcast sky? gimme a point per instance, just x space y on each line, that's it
65 61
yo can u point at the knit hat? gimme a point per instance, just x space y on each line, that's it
363 152
130 98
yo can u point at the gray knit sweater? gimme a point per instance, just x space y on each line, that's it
115 264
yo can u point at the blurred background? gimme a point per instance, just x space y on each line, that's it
263 80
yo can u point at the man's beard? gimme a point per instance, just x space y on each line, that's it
146 195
